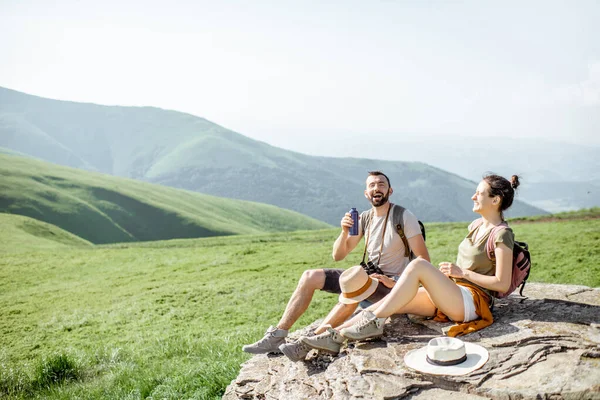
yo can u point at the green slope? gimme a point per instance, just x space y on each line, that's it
106 209
22 234
189 152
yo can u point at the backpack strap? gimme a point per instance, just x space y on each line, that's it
422 228
398 221
491 242
365 219
489 246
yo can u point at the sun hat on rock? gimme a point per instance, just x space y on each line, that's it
447 356
356 285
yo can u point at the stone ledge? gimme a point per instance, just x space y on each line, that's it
544 347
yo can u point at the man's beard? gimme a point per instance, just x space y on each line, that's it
379 202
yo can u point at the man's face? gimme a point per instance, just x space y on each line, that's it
378 190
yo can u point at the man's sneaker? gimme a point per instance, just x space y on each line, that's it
368 326
296 351
329 341
269 343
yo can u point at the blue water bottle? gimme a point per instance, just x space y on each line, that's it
354 227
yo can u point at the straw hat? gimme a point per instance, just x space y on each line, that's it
447 356
356 285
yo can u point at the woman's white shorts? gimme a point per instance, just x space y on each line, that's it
469 304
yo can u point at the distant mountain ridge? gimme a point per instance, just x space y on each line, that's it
556 176
185 151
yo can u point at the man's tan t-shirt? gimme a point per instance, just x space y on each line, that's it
391 258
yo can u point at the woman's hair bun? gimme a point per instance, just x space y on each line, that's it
514 182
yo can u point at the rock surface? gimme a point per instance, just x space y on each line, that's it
544 347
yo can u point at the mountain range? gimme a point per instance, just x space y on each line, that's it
189 152
556 176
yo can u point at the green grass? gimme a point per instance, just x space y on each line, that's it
106 209
167 319
579 214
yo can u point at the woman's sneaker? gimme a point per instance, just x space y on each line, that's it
270 343
329 341
369 326
296 351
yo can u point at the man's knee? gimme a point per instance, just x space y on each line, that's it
312 279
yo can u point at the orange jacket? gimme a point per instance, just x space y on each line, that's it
482 308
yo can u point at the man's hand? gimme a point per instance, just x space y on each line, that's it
347 223
387 281
345 243
451 270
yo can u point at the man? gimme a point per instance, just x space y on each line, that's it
385 248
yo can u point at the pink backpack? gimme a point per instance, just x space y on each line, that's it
521 265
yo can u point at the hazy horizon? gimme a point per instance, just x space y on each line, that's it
312 77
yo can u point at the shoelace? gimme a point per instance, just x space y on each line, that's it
266 338
323 336
300 348
364 323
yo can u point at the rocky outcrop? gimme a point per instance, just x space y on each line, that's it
544 347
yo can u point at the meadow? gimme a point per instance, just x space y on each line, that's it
167 319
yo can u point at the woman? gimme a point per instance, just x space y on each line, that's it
463 298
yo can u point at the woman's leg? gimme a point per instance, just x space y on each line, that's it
406 297
421 305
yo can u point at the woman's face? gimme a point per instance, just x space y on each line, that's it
482 201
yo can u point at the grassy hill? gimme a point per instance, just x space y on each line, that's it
189 152
167 319
105 209
23 234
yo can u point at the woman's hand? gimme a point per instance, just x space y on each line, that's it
387 281
451 270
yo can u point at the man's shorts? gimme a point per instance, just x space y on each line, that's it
332 285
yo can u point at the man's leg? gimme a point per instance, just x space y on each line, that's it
326 338
310 281
338 314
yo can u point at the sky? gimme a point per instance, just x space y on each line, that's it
312 76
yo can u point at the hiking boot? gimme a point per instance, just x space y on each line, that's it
368 326
296 351
329 341
270 343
